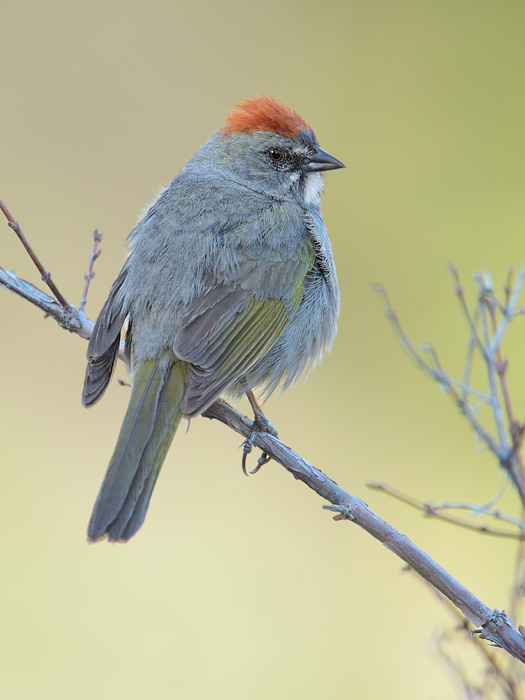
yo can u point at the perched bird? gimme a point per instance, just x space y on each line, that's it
230 286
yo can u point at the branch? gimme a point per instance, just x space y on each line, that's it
506 681
97 237
45 275
67 317
494 625
433 511
505 444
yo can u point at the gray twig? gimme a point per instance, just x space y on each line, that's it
45 275
486 334
95 253
436 511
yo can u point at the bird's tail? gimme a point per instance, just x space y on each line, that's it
149 425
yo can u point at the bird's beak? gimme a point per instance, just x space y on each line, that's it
321 160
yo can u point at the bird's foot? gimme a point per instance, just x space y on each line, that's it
260 424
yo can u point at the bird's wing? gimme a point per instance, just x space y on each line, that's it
104 344
231 326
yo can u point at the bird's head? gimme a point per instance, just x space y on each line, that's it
268 145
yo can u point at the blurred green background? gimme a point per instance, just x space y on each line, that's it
241 587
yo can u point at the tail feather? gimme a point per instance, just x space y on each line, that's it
149 425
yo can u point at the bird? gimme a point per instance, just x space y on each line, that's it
229 288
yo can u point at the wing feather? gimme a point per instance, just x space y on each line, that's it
104 344
221 342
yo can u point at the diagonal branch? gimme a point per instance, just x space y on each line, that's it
494 625
506 680
45 275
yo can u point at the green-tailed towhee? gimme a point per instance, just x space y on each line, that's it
230 285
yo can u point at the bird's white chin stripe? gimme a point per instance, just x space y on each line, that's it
313 188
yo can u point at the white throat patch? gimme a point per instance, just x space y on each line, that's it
313 188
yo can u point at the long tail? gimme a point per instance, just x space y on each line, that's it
149 425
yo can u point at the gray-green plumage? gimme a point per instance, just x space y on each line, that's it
153 415
230 277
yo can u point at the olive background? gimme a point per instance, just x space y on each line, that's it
241 587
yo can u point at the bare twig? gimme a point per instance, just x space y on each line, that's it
68 318
461 296
450 385
45 275
487 322
507 442
477 509
434 511
515 461
97 237
485 304
510 310
58 308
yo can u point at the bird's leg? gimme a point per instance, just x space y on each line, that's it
260 424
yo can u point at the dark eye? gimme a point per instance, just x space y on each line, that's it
275 154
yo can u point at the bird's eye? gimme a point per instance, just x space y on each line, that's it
275 154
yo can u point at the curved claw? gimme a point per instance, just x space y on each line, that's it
260 424
263 459
246 449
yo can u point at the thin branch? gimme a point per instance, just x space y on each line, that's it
510 309
45 275
434 511
66 317
467 369
70 319
487 324
95 253
461 296
477 509
507 454
485 304
441 377
515 461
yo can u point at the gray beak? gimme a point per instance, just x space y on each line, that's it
321 160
